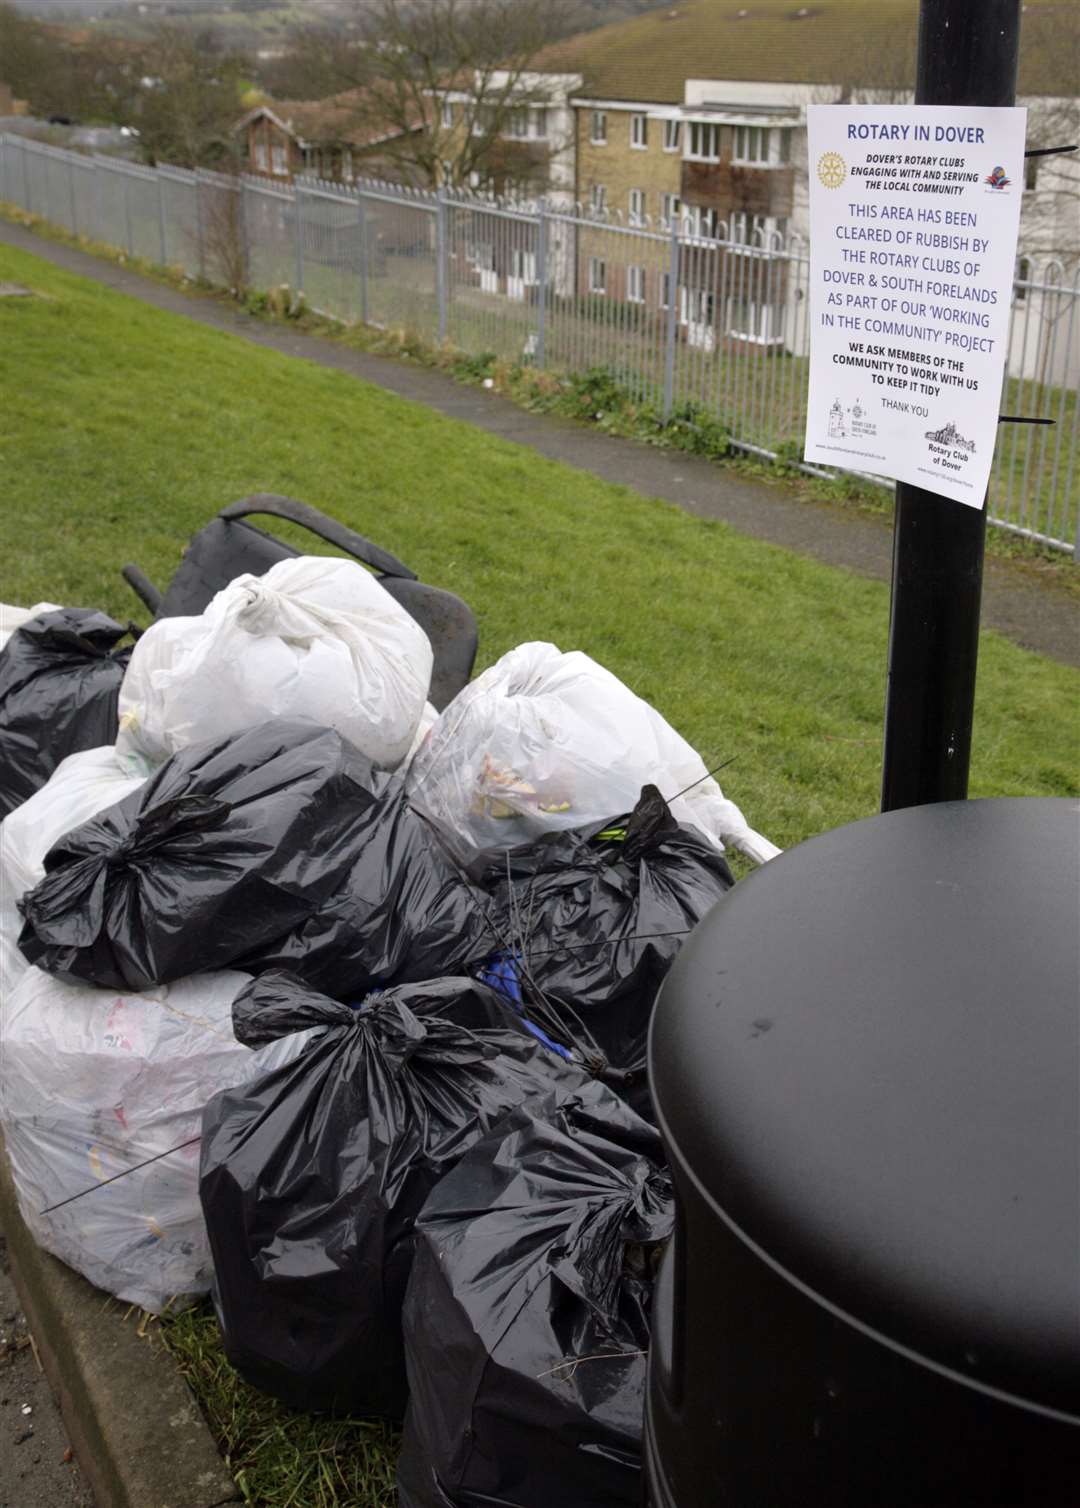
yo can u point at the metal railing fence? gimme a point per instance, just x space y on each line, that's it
709 327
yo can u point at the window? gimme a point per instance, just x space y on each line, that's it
598 134
447 114
635 284
279 159
669 210
637 206
665 290
538 122
517 124
703 223
598 199
262 156
751 144
347 164
597 275
672 135
703 141
759 146
639 132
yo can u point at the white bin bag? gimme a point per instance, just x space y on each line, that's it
12 618
92 1084
546 740
314 637
79 788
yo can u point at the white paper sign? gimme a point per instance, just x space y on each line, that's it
914 211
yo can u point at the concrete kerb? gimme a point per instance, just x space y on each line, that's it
134 1426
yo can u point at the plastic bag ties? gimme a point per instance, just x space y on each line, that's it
67 908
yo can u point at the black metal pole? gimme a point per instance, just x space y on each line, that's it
967 55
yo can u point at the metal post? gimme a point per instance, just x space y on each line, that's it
541 280
127 218
967 55
71 195
98 181
361 219
26 180
162 236
299 222
242 229
441 268
672 318
200 238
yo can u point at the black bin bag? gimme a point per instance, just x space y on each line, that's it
404 913
527 1315
311 1178
591 919
60 680
229 845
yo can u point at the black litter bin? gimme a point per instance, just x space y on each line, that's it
866 1066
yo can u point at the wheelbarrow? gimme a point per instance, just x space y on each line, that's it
229 547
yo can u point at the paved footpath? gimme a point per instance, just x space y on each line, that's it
37 1466
1034 614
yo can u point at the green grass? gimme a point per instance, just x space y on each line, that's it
124 429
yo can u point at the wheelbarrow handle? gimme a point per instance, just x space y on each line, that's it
318 523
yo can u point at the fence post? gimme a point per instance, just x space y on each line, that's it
71 195
361 219
98 181
541 279
245 239
127 218
200 238
672 318
164 245
441 267
299 220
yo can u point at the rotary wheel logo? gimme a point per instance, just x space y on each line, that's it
831 169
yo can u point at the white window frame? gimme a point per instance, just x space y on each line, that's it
598 199
761 147
670 209
597 275
672 135
752 146
702 141
598 128
635 283
538 123
703 222
447 114
639 133
517 123
279 159
262 155
636 202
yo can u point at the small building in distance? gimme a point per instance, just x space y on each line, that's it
332 138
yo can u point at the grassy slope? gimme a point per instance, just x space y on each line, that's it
123 429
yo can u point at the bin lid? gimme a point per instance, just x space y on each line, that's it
868 1056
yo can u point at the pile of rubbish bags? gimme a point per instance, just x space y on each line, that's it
337 1008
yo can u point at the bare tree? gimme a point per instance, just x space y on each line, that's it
436 84
189 99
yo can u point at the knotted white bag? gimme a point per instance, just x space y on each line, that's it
94 1084
545 740
314 637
